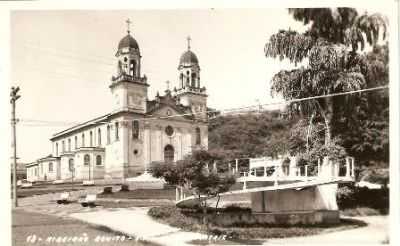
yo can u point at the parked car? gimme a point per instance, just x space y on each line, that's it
23 183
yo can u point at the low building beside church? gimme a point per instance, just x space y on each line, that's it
138 132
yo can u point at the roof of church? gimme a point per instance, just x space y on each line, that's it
188 58
97 120
128 42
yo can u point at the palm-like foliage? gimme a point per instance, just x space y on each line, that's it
330 49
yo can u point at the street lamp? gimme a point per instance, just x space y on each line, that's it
14 97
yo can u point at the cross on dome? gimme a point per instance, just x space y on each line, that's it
188 41
128 23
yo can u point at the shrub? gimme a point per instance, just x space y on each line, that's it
162 212
346 197
362 211
124 187
354 197
236 209
174 217
107 190
375 174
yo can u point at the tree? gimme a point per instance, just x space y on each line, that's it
365 134
331 48
194 174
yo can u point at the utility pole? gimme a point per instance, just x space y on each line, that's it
14 98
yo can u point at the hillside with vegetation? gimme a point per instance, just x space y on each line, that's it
250 134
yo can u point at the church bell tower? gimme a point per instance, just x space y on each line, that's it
190 92
128 87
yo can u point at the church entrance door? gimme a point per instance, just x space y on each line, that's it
169 153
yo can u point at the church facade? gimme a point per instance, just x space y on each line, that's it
138 132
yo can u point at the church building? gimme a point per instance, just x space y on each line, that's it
138 132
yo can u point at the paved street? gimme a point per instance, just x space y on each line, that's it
135 221
40 229
373 234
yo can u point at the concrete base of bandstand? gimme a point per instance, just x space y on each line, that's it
311 205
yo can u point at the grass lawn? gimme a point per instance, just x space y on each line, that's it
46 227
45 190
134 203
361 211
141 194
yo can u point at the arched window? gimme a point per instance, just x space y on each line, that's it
63 146
187 78
86 160
98 160
181 80
71 165
90 139
108 134
169 153
135 129
69 144
198 135
51 167
132 68
116 131
193 79
56 149
99 137
83 139
76 142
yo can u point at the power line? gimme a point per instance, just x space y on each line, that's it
230 111
276 103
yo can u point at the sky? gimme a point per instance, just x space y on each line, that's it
63 61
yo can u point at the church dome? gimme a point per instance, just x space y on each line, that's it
188 58
128 42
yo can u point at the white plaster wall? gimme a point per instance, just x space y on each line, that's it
116 151
82 171
30 173
130 95
44 173
183 139
66 174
